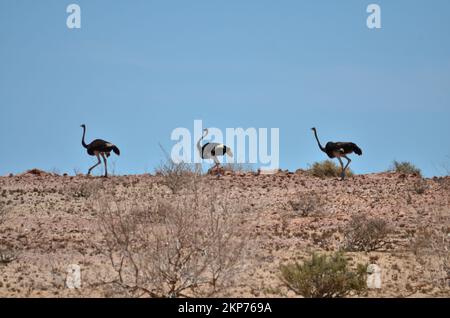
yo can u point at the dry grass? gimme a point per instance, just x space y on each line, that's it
327 169
405 167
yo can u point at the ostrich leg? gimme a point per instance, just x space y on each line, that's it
342 167
348 163
217 165
99 162
106 165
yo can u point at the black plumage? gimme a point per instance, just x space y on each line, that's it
342 147
99 148
211 150
338 150
101 145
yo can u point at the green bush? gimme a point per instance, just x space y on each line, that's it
324 277
327 169
405 167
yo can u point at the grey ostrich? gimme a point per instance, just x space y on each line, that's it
99 148
211 150
338 150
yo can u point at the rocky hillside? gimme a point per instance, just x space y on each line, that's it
49 222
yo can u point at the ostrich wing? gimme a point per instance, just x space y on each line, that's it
100 145
348 147
213 149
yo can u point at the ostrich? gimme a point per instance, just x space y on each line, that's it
338 150
99 148
211 150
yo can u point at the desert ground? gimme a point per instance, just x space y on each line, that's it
51 221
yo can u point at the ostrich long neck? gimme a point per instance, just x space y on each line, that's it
199 145
318 142
82 139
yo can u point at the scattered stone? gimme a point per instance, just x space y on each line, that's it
373 276
73 279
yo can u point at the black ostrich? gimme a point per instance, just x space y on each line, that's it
338 150
211 150
99 148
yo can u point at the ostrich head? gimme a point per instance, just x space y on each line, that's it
313 129
83 126
205 132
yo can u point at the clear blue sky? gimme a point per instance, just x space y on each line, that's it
138 69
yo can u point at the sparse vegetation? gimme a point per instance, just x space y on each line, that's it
307 204
177 176
217 237
420 186
7 255
37 172
405 167
187 247
366 234
88 189
324 276
327 169
85 189
431 245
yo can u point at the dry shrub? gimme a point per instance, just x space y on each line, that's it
178 176
187 247
327 169
324 277
7 256
365 234
308 204
405 167
420 186
37 172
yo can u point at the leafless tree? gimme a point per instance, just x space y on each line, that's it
188 247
